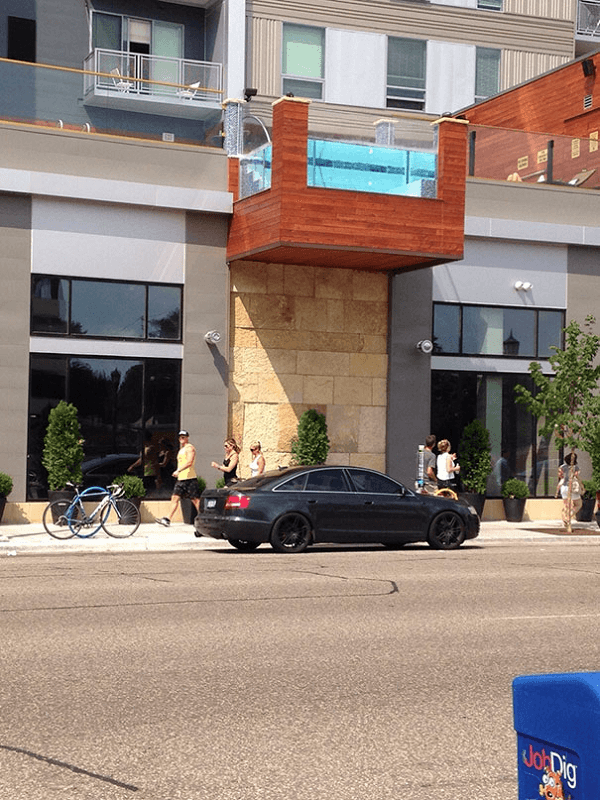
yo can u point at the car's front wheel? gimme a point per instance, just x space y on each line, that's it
243 544
447 531
290 534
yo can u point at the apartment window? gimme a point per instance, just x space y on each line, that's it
105 309
303 61
138 36
406 73
496 330
490 5
487 73
21 39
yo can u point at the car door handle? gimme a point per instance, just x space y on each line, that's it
368 502
311 502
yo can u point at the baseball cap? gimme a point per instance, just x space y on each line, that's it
183 433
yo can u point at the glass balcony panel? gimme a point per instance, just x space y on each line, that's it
255 171
369 168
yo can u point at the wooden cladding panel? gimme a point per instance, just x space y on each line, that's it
553 103
315 223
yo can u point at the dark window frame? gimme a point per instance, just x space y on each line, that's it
464 354
70 335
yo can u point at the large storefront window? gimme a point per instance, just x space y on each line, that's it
457 398
121 402
105 309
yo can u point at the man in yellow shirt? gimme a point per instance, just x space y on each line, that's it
186 484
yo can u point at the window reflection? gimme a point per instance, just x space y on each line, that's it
49 305
164 312
446 328
550 327
108 309
120 402
100 308
496 330
457 398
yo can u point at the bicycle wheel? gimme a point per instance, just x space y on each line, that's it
122 520
56 520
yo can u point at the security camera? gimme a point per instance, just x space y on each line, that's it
212 337
425 346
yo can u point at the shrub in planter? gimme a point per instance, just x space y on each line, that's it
6 486
63 447
475 459
220 484
132 486
514 495
588 502
311 445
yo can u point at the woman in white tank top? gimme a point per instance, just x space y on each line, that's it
257 465
447 470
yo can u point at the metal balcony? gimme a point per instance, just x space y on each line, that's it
588 18
173 87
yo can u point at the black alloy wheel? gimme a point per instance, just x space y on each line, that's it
243 544
291 534
447 531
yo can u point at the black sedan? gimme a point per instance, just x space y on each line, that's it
299 506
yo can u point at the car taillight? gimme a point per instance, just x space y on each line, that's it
237 501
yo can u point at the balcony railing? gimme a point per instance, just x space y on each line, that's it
355 167
152 84
588 18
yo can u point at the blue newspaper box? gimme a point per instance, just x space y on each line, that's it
557 720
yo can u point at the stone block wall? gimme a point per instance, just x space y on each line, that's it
308 337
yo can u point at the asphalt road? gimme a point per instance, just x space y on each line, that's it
346 674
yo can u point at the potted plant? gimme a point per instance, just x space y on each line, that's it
588 502
188 509
6 486
63 450
133 488
514 495
475 459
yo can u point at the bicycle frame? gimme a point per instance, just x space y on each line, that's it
85 525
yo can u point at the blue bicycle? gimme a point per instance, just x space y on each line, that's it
117 516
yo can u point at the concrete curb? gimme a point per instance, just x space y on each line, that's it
32 538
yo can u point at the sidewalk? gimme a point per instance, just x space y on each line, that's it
32 539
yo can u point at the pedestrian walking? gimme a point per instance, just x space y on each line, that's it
230 462
186 480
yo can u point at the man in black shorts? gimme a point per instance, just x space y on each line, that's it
186 480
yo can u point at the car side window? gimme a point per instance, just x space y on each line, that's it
295 484
326 480
372 483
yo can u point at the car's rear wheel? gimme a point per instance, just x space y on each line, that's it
290 534
447 531
243 544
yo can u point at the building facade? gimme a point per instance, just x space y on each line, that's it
129 232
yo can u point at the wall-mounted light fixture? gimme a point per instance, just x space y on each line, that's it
212 337
425 346
523 286
249 94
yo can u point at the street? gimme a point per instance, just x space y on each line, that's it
341 673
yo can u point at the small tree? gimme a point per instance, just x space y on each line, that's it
475 457
311 446
566 400
63 448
